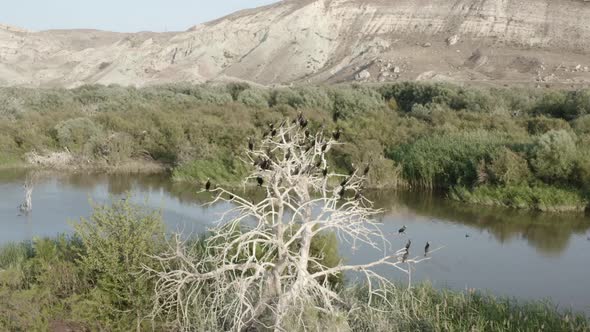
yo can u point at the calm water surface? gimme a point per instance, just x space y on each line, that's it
507 252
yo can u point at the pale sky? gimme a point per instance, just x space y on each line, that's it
118 15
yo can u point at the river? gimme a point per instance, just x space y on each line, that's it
520 254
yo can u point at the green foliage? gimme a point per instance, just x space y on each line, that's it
118 240
537 197
508 168
413 131
553 155
425 309
74 133
255 98
445 160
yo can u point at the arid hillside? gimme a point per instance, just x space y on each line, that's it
533 42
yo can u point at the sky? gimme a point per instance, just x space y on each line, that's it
118 15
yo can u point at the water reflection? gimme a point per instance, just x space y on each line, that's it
549 233
516 253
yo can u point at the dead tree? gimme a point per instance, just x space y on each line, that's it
27 206
258 262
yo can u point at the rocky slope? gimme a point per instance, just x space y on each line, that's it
293 41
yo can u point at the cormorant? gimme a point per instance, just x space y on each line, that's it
273 132
318 163
231 197
357 196
336 116
250 144
325 171
208 185
367 169
405 257
344 182
307 133
336 134
426 249
301 119
341 192
467 235
324 147
402 230
408 244
260 181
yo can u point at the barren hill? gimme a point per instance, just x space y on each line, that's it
497 41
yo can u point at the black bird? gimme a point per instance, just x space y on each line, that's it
301 119
341 192
344 182
307 133
336 116
405 257
265 164
250 144
402 230
231 197
357 196
408 244
467 235
260 181
426 249
273 132
336 134
208 185
366 170
325 171
318 163
324 147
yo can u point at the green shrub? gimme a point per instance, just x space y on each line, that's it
74 133
582 125
446 160
536 197
255 98
508 168
553 155
118 240
540 125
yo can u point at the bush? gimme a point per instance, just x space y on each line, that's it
118 240
540 125
75 133
553 155
582 125
536 197
446 160
255 98
508 168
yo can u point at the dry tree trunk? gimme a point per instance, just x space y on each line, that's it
257 261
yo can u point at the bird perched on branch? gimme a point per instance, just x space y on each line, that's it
260 181
408 244
208 185
250 144
426 249
336 134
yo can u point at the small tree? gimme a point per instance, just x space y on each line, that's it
258 268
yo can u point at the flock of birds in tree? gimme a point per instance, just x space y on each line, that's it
266 164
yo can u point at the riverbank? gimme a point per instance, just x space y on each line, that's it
54 282
414 135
